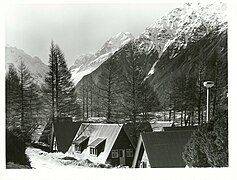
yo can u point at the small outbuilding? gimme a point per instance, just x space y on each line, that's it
64 132
161 149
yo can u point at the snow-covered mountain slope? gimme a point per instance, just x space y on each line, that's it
87 63
171 33
34 64
182 26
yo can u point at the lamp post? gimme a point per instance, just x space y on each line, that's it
208 85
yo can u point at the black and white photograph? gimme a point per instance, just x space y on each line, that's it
116 86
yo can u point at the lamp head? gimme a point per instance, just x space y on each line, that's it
208 84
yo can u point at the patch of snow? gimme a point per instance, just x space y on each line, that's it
152 70
87 63
76 77
158 125
43 160
188 23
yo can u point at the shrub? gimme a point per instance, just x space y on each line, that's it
15 148
208 146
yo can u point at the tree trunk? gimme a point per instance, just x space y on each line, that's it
83 101
164 114
87 103
52 138
199 102
109 99
170 114
185 117
192 118
56 86
189 119
52 86
91 101
174 112
181 122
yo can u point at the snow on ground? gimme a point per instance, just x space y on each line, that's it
159 125
43 160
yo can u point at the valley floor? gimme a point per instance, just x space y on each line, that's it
43 160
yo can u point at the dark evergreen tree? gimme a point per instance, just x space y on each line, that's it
65 90
208 145
29 102
139 96
194 152
88 98
12 98
49 87
59 88
148 100
110 87
133 80
217 141
201 71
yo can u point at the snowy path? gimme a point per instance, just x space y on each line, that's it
43 160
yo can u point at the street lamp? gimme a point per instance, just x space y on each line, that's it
208 85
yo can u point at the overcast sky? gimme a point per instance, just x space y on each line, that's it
76 28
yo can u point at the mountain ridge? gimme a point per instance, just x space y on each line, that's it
87 63
14 56
173 31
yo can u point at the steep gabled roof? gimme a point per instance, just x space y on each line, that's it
65 133
97 142
46 134
80 139
164 149
47 129
96 132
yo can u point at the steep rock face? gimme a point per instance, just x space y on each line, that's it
182 26
87 63
186 24
35 65
174 44
188 62
176 73
146 60
173 32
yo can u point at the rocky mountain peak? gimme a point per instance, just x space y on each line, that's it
14 56
87 63
186 24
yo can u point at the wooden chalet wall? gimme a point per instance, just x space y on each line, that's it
122 142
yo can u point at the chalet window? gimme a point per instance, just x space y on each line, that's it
129 152
81 143
114 153
97 146
143 164
93 151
